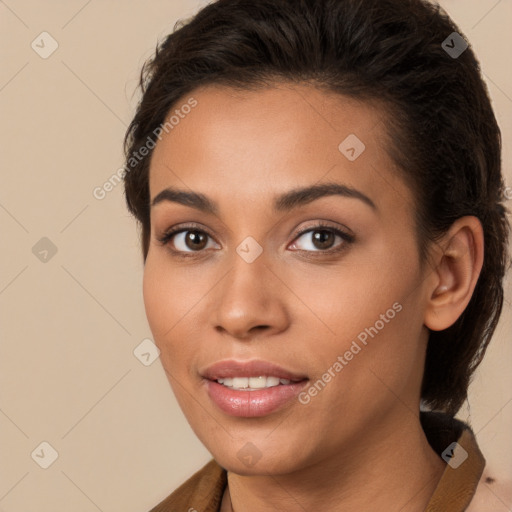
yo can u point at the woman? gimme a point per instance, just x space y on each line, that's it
319 189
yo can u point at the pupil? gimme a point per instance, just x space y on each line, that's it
322 237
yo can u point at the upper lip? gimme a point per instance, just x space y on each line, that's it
254 368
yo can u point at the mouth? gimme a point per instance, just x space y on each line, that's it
251 388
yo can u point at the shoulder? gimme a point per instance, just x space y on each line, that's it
202 491
492 494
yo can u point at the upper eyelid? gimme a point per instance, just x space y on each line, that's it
318 224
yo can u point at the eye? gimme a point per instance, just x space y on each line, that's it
322 238
190 240
186 239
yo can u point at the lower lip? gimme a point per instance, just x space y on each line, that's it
254 403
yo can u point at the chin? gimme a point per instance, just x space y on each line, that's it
249 461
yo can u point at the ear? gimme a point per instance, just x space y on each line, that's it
457 260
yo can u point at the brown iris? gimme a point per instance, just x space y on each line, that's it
196 240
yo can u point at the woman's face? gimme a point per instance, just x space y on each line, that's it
341 305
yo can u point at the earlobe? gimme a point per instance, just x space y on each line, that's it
457 267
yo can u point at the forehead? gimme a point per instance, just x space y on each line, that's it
266 141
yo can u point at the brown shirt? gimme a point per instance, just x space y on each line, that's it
203 491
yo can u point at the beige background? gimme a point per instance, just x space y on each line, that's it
69 326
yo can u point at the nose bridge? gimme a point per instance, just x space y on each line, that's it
250 269
249 296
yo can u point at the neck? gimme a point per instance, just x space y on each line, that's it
392 468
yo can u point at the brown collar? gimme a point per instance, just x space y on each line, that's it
460 478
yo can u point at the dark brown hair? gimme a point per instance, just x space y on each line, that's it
444 136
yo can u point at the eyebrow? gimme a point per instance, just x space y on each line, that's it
285 202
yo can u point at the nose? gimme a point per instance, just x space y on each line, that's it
251 300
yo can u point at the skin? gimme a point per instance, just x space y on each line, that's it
492 494
358 444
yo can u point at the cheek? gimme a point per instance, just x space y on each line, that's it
171 305
370 317
360 382
168 296
382 358
166 305
340 303
156 301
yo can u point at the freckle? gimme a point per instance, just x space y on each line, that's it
490 480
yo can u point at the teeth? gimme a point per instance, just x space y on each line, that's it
240 382
248 383
258 382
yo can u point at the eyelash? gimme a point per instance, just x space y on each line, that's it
347 238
